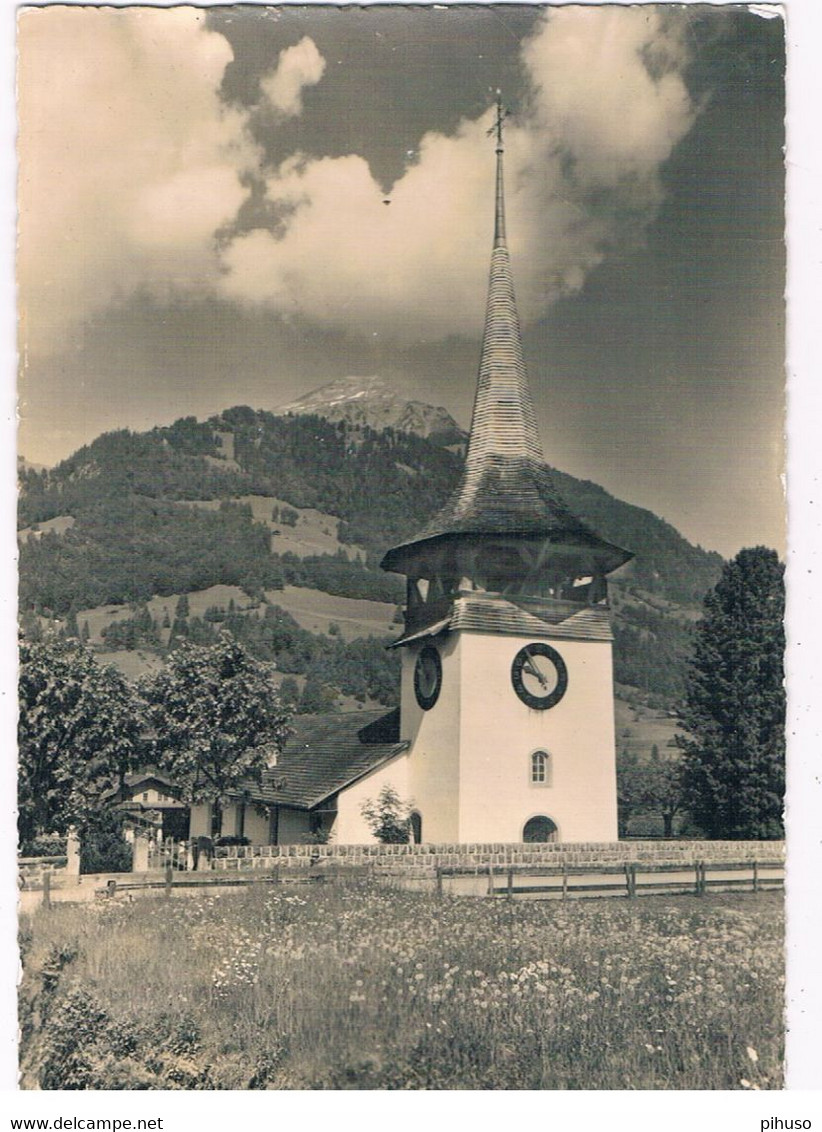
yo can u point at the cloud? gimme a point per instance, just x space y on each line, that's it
607 106
131 163
299 66
129 159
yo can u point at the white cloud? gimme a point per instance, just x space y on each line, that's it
299 66
129 160
582 167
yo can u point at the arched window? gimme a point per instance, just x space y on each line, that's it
540 829
540 768
416 827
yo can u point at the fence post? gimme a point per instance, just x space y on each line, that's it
439 880
139 852
755 877
564 882
72 852
490 880
510 891
632 881
47 889
169 878
700 878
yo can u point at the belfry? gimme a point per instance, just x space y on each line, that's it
507 695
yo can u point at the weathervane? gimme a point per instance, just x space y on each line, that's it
502 114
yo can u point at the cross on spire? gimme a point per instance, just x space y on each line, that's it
502 114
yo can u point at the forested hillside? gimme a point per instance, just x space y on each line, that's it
141 529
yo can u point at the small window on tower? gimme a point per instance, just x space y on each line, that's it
541 768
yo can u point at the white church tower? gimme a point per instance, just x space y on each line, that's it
507 692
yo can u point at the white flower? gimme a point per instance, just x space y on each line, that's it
753 1055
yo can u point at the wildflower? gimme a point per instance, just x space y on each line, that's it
752 1054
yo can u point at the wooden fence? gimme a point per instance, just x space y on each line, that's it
567 881
631 879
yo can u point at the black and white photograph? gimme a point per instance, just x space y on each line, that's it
401 547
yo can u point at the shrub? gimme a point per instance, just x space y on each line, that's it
103 847
388 817
47 845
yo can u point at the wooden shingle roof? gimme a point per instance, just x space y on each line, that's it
494 613
326 753
506 488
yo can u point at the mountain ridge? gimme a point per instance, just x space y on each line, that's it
373 402
177 509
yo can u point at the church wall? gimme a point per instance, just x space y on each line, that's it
200 825
498 734
230 824
293 826
434 766
256 826
350 827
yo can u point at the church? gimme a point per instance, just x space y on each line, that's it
505 730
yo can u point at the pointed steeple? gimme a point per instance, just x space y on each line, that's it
503 422
506 489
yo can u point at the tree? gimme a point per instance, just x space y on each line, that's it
317 697
664 790
290 692
630 789
217 717
78 734
388 817
734 713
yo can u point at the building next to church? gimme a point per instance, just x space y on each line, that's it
505 730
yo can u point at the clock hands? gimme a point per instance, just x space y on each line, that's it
532 667
536 687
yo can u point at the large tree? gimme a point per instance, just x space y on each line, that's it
78 733
734 714
664 791
216 716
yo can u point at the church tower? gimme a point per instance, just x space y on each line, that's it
507 692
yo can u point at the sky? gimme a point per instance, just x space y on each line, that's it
236 205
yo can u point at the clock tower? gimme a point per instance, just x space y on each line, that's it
507 686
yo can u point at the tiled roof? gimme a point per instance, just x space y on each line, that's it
326 753
493 613
506 487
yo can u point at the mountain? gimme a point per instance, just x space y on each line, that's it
299 503
372 402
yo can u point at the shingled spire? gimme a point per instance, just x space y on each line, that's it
505 489
503 423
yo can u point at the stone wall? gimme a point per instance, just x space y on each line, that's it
425 859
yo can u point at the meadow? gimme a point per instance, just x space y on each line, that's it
360 986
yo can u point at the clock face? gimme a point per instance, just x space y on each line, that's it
539 676
428 677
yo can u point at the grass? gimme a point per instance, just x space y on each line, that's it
365 987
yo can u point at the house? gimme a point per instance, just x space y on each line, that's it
150 798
